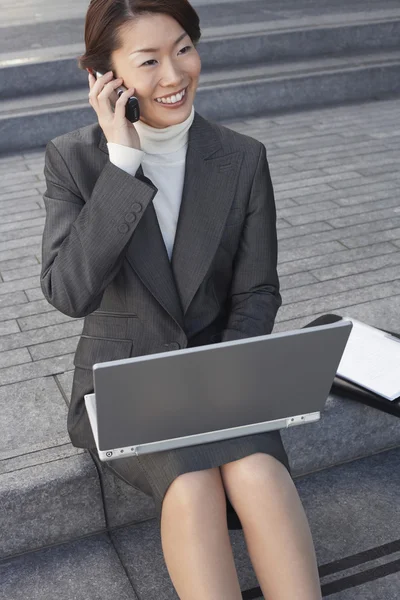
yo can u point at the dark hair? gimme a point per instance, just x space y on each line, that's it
104 19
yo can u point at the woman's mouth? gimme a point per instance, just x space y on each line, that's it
173 101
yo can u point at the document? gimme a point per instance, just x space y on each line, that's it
371 360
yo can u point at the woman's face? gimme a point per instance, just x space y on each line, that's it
168 69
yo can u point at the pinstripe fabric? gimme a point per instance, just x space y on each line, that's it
104 259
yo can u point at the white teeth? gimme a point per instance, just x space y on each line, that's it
172 99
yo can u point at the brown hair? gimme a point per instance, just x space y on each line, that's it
104 19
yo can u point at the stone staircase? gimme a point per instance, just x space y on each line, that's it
60 508
256 59
70 530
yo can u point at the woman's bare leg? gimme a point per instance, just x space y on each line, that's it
195 538
275 527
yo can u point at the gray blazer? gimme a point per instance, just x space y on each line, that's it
103 255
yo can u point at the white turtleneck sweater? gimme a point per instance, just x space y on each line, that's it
163 158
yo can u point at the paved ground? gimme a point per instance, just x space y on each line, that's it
337 185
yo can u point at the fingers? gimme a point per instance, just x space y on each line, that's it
100 93
96 85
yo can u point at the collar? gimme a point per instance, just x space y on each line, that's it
166 140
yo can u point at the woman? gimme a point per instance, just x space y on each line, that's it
115 252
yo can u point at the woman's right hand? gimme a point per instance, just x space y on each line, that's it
114 124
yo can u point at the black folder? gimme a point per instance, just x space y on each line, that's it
343 388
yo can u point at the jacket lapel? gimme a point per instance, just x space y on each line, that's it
208 193
148 256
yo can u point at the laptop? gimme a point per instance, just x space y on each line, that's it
204 394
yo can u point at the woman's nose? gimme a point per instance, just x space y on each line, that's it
171 74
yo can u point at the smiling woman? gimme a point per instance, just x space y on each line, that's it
161 233
159 72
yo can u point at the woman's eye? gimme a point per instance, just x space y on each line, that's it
154 60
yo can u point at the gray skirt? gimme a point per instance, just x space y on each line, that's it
153 473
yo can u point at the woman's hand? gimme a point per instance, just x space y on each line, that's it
115 125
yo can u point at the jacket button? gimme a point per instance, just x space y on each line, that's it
130 217
123 228
174 346
136 207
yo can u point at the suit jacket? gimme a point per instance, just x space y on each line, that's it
104 258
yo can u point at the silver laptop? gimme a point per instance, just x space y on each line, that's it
208 393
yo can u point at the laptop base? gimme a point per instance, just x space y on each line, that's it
192 440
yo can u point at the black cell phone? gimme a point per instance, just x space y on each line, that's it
132 110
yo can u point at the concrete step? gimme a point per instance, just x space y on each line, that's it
31 121
57 24
87 569
64 24
52 24
51 492
46 70
353 515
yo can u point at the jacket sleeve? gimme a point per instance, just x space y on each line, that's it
254 294
84 244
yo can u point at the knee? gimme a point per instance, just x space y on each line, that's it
256 470
195 489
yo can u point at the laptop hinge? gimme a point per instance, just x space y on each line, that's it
301 419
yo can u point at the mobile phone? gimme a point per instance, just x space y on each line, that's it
132 110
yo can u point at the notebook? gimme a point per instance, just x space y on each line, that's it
199 395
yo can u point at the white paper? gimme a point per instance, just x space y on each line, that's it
371 359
